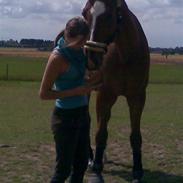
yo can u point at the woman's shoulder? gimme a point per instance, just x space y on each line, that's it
58 60
55 55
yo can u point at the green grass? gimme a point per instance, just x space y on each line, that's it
31 69
166 73
25 126
21 105
22 68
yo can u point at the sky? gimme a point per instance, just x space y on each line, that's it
162 20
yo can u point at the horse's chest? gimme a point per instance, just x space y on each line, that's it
123 79
115 78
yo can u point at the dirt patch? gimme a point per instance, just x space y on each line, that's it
23 52
173 59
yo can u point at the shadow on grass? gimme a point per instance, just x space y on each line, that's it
124 172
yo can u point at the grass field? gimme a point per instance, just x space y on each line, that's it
23 64
23 52
28 65
162 59
30 157
25 129
21 68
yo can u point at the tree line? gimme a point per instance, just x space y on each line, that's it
167 51
48 45
28 43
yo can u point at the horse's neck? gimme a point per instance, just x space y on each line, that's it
128 26
126 16
127 37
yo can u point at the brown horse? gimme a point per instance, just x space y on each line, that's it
116 32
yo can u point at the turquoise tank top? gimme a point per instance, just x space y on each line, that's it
73 77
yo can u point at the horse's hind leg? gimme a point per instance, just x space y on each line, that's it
136 105
105 100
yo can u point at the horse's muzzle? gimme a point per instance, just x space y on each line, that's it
95 52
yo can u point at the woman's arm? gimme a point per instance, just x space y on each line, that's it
57 65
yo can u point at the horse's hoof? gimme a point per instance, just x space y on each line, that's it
97 168
95 178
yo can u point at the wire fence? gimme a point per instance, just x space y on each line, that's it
22 70
31 69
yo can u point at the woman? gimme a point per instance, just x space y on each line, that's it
70 120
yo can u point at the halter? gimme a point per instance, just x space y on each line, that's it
102 47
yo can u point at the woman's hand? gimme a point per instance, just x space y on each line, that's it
94 77
83 90
87 89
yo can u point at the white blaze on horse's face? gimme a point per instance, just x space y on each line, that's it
97 9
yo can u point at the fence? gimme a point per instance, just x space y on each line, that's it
31 69
24 70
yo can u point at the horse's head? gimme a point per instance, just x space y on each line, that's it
102 16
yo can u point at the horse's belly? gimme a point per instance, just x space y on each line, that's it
118 87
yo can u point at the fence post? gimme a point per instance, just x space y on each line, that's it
7 71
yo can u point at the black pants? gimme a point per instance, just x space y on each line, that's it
71 134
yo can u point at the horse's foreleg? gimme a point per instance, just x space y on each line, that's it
136 105
105 100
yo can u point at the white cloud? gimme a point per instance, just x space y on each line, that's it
162 20
44 8
158 9
45 18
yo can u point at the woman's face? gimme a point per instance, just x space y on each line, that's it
82 40
76 42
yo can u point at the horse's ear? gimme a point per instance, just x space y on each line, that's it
61 34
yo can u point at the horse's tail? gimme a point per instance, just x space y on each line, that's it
58 37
